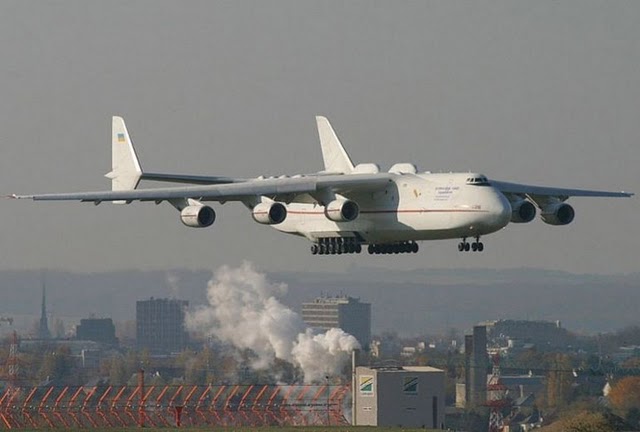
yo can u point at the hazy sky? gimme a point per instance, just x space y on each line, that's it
542 92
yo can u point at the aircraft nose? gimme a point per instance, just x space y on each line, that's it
497 211
500 210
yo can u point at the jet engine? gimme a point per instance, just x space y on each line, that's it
269 213
558 214
522 211
198 216
342 210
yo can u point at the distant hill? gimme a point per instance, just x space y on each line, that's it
409 302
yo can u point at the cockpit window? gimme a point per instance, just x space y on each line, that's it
478 181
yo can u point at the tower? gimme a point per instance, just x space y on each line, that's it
43 330
478 363
12 363
497 399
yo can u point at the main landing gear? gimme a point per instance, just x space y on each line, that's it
349 245
336 246
393 248
476 246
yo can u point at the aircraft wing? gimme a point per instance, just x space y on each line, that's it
543 193
229 191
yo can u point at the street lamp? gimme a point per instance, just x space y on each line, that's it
328 395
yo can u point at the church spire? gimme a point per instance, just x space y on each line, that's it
43 330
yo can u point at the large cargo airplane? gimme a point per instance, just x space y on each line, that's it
345 206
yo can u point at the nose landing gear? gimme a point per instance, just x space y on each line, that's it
476 246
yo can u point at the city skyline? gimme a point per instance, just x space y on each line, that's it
403 301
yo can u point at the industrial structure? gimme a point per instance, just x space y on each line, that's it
476 362
409 396
160 325
343 312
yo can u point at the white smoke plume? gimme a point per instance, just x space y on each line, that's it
173 282
245 312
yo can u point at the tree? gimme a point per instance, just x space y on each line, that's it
117 371
530 359
581 421
625 394
631 363
56 364
633 417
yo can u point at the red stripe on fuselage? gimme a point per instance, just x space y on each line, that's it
391 211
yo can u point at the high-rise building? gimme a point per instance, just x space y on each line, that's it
344 312
160 325
98 330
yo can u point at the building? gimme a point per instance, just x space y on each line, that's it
522 386
97 330
476 364
409 397
343 312
544 335
160 325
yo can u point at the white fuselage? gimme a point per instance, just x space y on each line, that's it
413 207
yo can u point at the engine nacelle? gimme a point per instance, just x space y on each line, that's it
198 216
522 211
558 214
269 213
342 210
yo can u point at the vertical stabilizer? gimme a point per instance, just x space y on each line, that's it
125 167
336 159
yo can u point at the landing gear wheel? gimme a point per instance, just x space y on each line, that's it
358 248
460 247
314 249
474 247
467 246
480 247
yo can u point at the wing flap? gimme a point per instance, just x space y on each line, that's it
189 179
